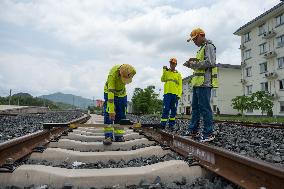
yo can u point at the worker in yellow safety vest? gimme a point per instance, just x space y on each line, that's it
203 80
115 105
172 92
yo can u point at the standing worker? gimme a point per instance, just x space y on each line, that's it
115 104
172 92
204 79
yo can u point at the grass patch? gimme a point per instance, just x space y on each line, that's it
255 119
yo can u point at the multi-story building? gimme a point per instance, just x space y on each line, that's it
262 52
229 87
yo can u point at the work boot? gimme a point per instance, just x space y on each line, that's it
107 141
208 138
194 135
119 139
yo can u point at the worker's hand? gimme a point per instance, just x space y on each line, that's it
187 64
192 59
112 116
165 67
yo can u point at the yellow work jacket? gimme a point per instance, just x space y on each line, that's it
173 82
198 74
114 87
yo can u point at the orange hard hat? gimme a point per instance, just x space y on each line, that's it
196 32
173 60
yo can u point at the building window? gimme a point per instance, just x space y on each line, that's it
280 41
188 98
281 106
263 67
279 20
261 29
247 54
280 62
262 48
281 84
248 72
214 93
247 37
249 89
214 108
264 86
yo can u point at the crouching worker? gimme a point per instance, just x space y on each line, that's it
115 104
172 92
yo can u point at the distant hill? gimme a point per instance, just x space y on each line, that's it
22 95
68 99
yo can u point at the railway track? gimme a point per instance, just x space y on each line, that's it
78 159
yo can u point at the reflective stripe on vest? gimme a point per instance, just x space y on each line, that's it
173 80
198 74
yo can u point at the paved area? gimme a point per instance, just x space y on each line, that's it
9 107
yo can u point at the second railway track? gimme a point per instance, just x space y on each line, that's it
156 159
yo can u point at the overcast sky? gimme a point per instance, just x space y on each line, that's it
70 45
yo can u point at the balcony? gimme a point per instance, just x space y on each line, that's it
271 75
242 47
269 34
243 64
270 54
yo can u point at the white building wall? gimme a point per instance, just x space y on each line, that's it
257 58
229 88
185 100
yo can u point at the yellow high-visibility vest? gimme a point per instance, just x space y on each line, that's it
114 87
173 82
198 74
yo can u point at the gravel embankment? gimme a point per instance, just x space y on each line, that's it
261 143
16 126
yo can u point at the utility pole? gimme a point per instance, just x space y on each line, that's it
10 96
93 101
19 101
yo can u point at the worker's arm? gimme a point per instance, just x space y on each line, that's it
209 58
110 94
164 76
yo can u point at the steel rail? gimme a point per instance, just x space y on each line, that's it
243 171
18 148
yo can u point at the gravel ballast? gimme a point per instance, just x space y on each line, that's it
262 143
20 125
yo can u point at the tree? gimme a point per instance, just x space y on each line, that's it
241 103
258 100
145 101
263 101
